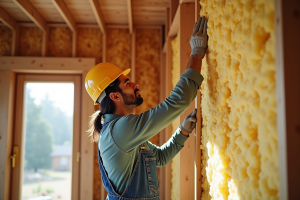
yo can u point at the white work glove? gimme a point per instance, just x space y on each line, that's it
189 122
199 38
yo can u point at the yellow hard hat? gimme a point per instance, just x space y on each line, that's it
101 76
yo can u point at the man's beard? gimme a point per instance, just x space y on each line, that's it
132 100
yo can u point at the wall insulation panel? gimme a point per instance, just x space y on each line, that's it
89 43
60 42
175 123
147 63
5 41
30 41
239 134
119 48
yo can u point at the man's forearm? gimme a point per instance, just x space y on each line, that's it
195 63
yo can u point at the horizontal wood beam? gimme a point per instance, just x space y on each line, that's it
32 13
46 64
7 19
98 14
130 21
65 13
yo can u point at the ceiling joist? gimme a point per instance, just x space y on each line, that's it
32 13
65 13
98 14
130 21
7 19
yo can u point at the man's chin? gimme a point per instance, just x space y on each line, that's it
140 101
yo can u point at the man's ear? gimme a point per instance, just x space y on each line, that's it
115 96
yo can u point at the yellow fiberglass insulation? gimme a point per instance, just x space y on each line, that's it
239 134
175 123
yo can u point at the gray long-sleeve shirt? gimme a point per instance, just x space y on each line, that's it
119 141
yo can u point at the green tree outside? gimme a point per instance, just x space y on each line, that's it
38 137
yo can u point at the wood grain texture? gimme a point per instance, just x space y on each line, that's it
187 176
175 124
97 175
5 41
7 85
60 42
147 69
119 48
89 43
27 7
30 41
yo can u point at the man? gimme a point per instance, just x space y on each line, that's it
127 160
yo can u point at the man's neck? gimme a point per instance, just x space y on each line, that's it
125 110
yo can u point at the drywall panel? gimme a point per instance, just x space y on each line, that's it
175 124
30 41
89 43
60 42
147 63
119 48
5 41
239 134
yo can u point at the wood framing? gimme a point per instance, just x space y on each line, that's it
32 13
175 24
15 41
104 43
187 177
132 72
117 26
198 131
168 129
167 24
98 14
174 4
287 14
7 85
46 64
7 19
187 1
130 21
65 13
87 153
44 42
74 45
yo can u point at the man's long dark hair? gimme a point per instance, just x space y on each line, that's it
107 106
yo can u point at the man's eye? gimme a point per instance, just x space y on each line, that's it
127 83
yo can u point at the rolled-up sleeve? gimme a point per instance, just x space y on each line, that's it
132 130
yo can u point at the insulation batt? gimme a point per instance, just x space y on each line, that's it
239 134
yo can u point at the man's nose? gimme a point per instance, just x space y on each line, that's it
136 86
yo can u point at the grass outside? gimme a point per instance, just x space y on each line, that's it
53 183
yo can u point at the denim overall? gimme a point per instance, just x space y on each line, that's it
143 183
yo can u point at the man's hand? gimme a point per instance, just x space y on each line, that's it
199 38
189 122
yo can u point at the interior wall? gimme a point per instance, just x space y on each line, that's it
89 43
175 123
60 42
239 134
119 48
30 41
5 41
